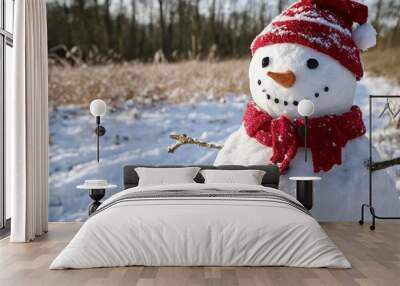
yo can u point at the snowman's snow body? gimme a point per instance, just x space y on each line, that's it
331 87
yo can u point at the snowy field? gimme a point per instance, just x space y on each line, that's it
139 135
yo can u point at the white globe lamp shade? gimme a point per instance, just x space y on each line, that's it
98 107
305 108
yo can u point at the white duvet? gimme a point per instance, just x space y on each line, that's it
200 231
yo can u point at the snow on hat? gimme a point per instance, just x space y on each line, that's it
325 26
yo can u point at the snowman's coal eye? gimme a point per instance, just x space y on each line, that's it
312 64
265 62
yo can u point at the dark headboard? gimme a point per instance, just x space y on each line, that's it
271 178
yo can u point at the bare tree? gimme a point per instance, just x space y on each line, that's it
170 29
281 5
133 31
108 23
262 15
213 26
376 21
196 29
181 25
151 30
164 38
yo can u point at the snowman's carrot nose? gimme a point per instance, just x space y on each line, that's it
285 79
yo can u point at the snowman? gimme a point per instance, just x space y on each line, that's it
311 52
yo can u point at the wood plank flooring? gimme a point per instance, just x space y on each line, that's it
375 257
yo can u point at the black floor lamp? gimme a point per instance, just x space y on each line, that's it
305 109
98 109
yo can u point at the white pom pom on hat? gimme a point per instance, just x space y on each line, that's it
364 36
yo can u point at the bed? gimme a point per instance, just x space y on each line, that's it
198 224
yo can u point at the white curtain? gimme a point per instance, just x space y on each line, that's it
27 124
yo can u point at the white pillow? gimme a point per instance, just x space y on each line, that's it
165 176
248 177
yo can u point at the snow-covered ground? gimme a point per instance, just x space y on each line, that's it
139 135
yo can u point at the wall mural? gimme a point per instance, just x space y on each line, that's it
319 61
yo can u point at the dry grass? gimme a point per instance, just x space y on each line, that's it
383 62
176 82
148 83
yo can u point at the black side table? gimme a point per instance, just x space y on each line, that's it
305 190
96 193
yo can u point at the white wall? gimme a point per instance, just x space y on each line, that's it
8 86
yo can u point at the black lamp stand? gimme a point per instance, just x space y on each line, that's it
303 132
305 137
100 131
305 193
96 195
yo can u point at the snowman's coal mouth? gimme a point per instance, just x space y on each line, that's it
325 89
277 100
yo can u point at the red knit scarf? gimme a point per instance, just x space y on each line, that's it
327 135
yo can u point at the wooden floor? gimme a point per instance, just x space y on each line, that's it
375 257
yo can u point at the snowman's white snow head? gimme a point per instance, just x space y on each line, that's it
310 52
281 75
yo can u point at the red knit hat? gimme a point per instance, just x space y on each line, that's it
325 26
